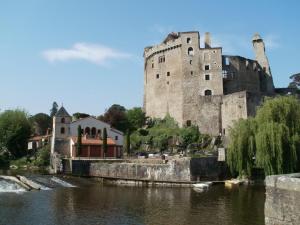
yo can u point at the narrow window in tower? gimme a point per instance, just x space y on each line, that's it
190 51
62 130
206 67
167 82
168 74
192 72
157 76
152 65
188 40
207 92
188 123
207 77
191 62
227 61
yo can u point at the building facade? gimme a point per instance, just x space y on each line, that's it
65 137
200 86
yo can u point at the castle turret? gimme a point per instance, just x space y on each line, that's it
207 40
262 59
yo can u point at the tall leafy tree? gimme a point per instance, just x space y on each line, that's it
116 117
54 109
104 142
128 143
41 122
79 141
15 129
136 118
272 138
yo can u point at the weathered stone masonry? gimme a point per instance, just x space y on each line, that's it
200 86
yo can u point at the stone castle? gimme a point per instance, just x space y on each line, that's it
200 86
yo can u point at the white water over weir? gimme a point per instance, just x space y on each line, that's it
21 183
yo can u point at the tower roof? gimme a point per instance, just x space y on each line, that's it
62 112
256 37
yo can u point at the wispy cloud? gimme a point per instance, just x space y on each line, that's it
93 53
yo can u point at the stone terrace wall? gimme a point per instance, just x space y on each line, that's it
282 206
175 170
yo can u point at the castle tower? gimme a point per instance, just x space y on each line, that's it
61 127
262 59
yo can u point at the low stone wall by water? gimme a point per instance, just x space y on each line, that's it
172 170
282 206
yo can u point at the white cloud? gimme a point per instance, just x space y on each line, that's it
93 53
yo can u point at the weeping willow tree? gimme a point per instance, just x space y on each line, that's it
277 137
242 148
270 141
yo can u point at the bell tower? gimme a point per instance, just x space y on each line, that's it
61 126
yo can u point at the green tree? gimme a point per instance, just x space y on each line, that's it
136 118
104 143
79 115
79 141
272 138
116 117
41 122
277 137
15 129
54 109
128 143
242 148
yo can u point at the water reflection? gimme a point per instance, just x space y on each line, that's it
92 203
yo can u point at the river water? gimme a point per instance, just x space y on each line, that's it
93 203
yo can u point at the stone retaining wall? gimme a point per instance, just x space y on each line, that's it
282 206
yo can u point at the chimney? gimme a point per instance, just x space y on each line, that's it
207 41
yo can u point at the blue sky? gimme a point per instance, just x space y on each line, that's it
88 55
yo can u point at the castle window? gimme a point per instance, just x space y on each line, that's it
225 73
207 92
157 76
161 59
188 40
167 82
188 123
62 120
190 51
62 130
207 77
191 62
192 72
168 74
227 61
152 65
116 138
206 67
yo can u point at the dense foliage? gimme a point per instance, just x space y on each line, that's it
164 134
79 115
116 117
15 129
41 123
270 141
